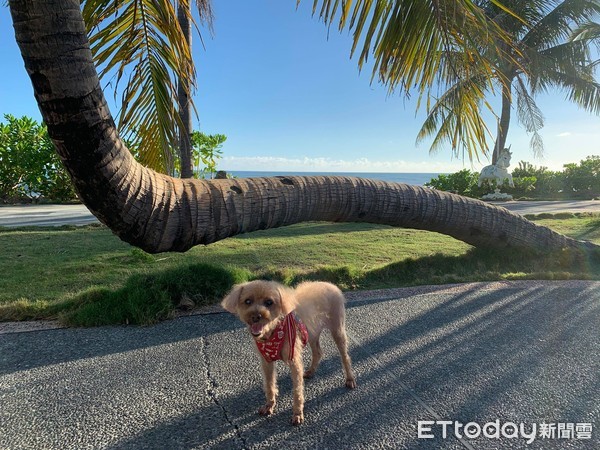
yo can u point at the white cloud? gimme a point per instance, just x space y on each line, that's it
565 134
306 164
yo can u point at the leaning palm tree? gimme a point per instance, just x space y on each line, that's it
159 213
550 48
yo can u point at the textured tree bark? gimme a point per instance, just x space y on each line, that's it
504 121
159 213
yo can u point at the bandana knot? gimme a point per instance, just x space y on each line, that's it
285 332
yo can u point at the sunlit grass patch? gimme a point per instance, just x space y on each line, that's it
87 276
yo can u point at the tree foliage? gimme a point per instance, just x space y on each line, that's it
576 181
550 48
413 45
140 42
584 178
463 182
417 46
30 169
206 152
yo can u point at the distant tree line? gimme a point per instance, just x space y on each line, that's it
31 171
575 181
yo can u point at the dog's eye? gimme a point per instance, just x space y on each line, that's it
248 301
268 302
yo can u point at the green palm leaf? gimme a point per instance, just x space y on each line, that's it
530 116
587 32
141 41
417 45
556 21
407 38
474 49
450 119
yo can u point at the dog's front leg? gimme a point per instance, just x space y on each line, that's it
269 386
297 372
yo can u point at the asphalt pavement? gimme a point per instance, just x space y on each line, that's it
45 215
55 215
484 355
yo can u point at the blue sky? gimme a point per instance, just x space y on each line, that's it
289 98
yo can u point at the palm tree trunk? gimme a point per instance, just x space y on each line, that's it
183 97
504 122
159 213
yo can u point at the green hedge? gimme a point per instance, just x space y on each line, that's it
576 181
30 169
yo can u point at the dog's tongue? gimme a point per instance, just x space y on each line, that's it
256 328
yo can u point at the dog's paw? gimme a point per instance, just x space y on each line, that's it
309 373
297 419
267 409
350 383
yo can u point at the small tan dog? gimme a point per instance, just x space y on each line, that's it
281 320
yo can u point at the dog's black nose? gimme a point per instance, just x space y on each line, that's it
256 318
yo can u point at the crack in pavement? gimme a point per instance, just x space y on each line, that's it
212 393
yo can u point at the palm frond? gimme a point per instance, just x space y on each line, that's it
528 113
557 24
588 32
530 116
456 119
568 57
568 67
514 16
407 38
417 45
205 13
142 38
583 91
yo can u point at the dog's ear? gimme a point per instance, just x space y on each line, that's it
288 299
231 300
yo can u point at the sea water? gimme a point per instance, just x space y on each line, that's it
418 179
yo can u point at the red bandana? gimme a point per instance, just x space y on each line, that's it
287 329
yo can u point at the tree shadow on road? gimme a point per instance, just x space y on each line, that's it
514 354
519 354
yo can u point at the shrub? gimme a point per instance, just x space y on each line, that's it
576 181
148 298
206 152
463 182
524 186
29 166
583 180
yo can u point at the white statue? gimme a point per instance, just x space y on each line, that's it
499 173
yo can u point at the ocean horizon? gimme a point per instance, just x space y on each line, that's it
418 179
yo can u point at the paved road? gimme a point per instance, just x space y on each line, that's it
538 207
520 352
45 215
54 215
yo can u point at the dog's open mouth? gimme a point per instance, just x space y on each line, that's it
256 329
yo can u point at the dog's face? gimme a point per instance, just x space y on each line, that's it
259 304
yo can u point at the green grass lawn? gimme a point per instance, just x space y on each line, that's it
87 276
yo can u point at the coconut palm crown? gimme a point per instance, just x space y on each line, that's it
551 48
143 45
